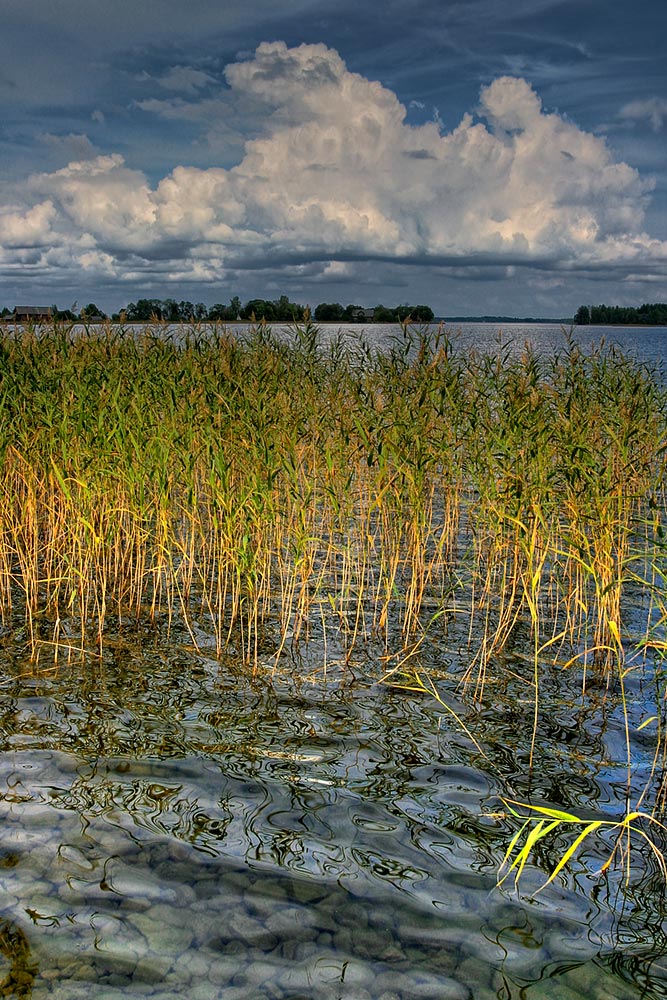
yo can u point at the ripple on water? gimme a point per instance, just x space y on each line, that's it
198 836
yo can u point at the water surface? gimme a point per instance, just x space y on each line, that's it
647 343
173 828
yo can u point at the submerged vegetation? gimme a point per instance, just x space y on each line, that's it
278 495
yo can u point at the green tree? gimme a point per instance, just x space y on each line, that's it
259 309
218 313
90 311
329 312
221 313
383 315
422 314
144 311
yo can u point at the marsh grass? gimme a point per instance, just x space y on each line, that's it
271 493
249 485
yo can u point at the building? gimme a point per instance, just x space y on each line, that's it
31 314
360 315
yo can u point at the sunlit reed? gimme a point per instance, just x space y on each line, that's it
254 488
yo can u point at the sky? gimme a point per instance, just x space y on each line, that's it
483 157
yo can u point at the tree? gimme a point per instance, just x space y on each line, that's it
218 313
283 309
278 311
144 311
63 314
259 309
422 314
383 315
329 312
91 311
654 314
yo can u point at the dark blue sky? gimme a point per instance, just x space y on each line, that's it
487 156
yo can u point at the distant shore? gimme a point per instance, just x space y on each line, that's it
501 319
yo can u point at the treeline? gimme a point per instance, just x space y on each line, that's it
334 312
649 314
280 310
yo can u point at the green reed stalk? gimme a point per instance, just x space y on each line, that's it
264 490
247 484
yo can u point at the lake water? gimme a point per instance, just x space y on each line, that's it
648 343
172 828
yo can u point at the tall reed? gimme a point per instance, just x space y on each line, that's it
266 487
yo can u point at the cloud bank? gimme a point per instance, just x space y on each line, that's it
334 173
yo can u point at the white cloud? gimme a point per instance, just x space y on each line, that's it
335 172
653 110
104 199
26 228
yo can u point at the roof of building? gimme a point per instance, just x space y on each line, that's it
32 310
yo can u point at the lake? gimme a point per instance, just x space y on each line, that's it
648 343
175 826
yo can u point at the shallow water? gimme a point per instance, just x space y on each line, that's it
647 343
172 828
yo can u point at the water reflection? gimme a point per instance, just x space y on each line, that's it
171 829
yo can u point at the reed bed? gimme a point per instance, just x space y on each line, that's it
262 490
281 496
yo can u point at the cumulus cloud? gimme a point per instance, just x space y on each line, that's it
26 228
334 172
104 199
